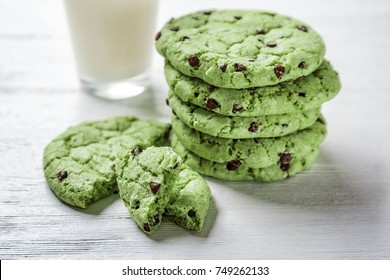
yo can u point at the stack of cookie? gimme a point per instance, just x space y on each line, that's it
246 89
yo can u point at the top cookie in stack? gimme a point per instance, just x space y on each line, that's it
243 79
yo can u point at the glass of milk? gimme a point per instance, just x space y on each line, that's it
113 43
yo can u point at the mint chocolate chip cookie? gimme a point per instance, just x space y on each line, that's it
154 182
79 164
240 127
240 49
292 96
236 170
255 152
145 181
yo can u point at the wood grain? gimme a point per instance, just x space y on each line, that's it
339 209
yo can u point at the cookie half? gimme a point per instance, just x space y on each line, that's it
79 164
255 152
240 127
240 48
292 96
237 171
145 181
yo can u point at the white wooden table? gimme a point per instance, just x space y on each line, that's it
339 209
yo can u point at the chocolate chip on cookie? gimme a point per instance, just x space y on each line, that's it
254 126
158 35
154 187
137 150
279 71
239 67
302 94
184 38
271 44
223 67
191 213
211 103
193 60
260 31
237 17
146 227
62 175
302 65
174 28
285 160
237 108
233 165
207 13
302 28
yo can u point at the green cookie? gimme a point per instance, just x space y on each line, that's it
145 181
190 200
79 164
240 127
153 182
240 49
238 171
292 96
255 152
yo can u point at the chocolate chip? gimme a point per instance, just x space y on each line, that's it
302 28
62 175
176 165
320 120
146 227
167 101
211 104
233 165
191 213
237 108
271 44
251 60
253 127
137 150
154 187
158 35
239 67
284 125
285 160
184 38
223 67
302 94
207 13
196 94
193 60
174 28
260 31
302 65
279 71
237 17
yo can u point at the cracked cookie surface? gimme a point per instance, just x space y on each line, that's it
256 152
154 183
238 171
240 127
79 163
240 49
289 97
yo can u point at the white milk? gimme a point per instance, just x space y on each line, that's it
112 39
